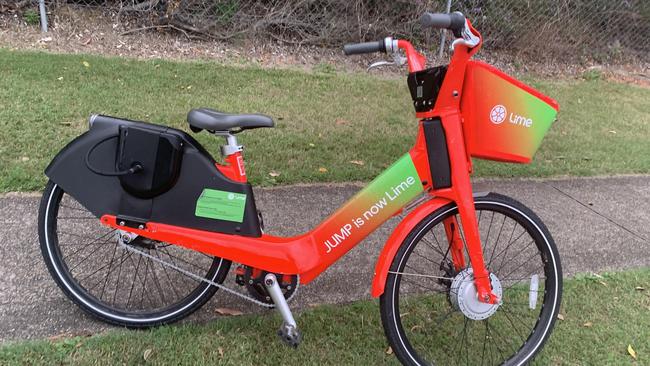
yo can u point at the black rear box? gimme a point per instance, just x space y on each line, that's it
175 204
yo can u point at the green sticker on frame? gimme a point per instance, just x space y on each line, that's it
221 205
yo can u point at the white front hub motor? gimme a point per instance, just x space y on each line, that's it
464 297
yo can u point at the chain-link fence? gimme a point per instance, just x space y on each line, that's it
604 30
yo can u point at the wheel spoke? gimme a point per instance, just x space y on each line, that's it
438 250
125 255
423 286
108 272
496 243
167 275
103 245
95 242
521 265
137 268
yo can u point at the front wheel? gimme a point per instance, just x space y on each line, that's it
429 308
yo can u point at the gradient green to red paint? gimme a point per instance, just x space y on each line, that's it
369 208
503 118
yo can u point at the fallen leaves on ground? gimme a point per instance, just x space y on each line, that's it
389 351
588 324
357 162
560 316
631 351
147 354
58 337
227 311
274 174
86 64
322 170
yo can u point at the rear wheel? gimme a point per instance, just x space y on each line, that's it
113 283
429 308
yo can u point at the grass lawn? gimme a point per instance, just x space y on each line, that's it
324 120
602 316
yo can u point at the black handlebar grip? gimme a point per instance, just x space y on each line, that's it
366 47
454 21
435 20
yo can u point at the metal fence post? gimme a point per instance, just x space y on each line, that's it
443 37
41 6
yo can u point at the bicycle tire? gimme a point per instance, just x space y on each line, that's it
402 337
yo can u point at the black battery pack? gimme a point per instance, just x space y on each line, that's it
159 154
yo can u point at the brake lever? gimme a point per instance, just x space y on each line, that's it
379 64
398 60
468 38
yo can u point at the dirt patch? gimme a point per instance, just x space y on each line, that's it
94 31
631 75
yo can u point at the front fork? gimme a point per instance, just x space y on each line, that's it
461 193
455 243
474 251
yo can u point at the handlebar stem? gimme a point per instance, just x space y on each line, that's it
416 60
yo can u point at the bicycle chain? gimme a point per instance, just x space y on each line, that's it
233 292
202 279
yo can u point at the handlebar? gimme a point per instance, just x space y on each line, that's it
454 21
365 47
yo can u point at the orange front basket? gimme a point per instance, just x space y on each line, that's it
503 119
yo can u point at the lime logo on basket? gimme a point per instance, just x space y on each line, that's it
498 114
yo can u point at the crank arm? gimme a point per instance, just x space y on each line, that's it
288 332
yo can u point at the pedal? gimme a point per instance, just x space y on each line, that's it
290 335
289 330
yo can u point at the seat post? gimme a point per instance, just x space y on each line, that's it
231 151
231 146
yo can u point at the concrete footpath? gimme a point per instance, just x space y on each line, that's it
583 215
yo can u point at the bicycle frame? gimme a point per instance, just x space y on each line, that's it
309 254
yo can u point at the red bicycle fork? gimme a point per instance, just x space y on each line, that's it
461 193
455 243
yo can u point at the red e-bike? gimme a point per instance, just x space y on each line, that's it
139 225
